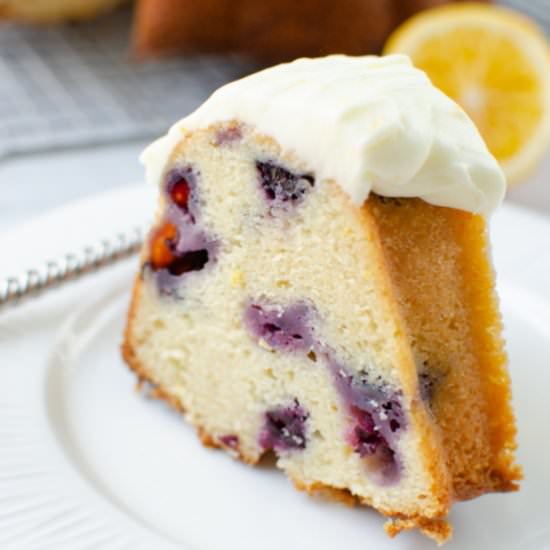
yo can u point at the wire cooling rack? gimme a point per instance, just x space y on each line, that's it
76 84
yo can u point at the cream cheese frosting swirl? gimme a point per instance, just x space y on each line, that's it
369 123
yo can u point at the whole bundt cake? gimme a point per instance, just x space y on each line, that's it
270 30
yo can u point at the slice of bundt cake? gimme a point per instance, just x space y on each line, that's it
318 284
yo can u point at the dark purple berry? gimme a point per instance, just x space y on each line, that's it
367 440
364 438
194 260
181 245
376 419
281 185
286 328
377 399
284 428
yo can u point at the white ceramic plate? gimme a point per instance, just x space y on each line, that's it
88 463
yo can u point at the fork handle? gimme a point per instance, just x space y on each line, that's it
70 267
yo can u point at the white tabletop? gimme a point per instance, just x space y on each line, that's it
30 185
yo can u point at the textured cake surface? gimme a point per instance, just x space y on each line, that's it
276 31
55 11
279 316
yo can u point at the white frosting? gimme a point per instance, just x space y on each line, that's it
369 123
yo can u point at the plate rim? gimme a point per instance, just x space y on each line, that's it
124 541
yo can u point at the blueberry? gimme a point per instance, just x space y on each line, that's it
376 419
280 185
365 438
193 260
285 328
284 428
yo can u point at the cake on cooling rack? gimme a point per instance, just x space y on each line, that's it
318 284
278 30
55 11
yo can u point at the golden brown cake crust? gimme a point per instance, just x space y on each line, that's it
439 262
438 530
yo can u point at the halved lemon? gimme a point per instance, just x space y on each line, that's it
496 64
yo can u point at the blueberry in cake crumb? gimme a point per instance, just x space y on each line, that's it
282 185
194 260
286 328
180 185
374 397
284 428
230 440
165 254
377 420
179 244
365 436
367 440
375 411
169 276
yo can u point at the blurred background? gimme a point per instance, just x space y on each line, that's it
86 84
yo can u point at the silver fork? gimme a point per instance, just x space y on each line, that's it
13 290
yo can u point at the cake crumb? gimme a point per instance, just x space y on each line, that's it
238 279
264 345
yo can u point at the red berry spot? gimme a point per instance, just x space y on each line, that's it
179 192
162 245
230 440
